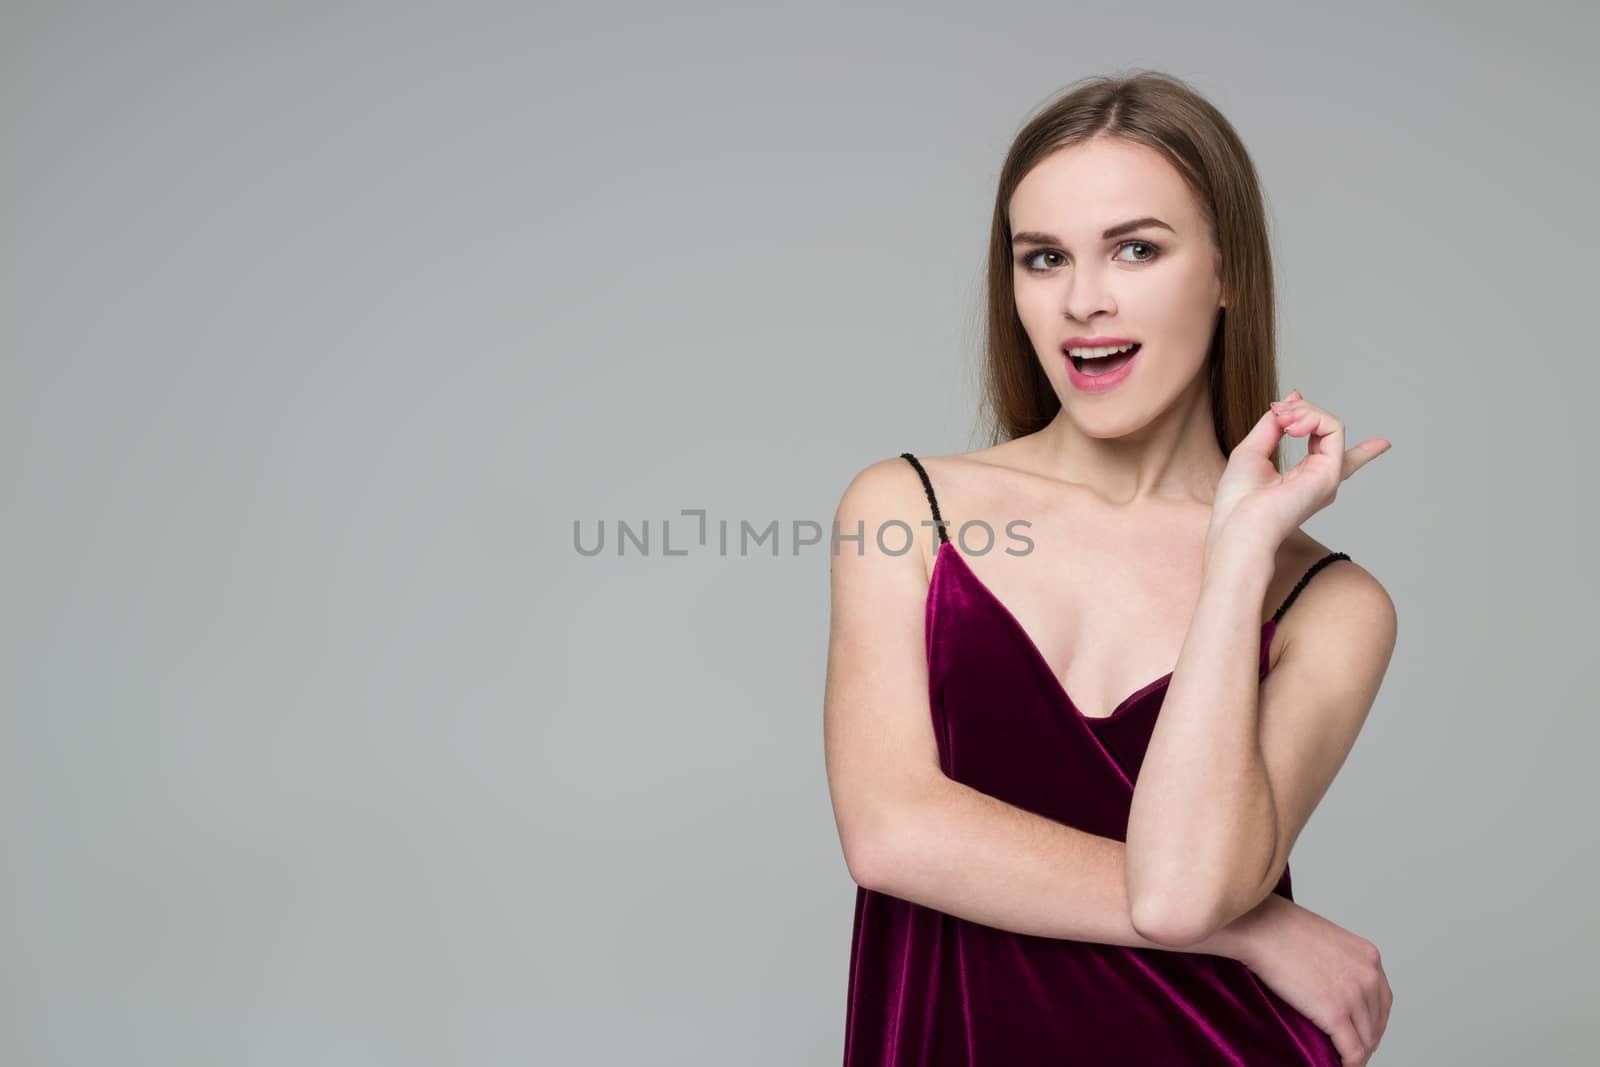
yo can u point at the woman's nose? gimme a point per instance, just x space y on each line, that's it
1087 295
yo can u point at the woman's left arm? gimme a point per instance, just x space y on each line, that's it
1236 765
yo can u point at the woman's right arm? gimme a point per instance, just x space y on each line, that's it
906 828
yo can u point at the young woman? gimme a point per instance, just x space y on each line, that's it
1065 855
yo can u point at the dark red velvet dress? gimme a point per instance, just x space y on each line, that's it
930 989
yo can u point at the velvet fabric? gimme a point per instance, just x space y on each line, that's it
930 989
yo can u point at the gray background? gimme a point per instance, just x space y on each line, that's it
322 323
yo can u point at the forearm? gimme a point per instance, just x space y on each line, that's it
1202 828
963 852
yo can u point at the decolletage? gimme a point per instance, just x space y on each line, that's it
949 555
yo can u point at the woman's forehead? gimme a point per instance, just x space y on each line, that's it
1086 188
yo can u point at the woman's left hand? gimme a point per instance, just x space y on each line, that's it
1255 503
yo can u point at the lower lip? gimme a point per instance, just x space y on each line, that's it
1099 383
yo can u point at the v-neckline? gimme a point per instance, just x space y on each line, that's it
1133 699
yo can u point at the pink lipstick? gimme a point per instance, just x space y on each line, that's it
1100 373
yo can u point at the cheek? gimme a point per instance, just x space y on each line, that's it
1039 318
1032 303
1184 310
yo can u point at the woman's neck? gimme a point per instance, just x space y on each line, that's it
1174 457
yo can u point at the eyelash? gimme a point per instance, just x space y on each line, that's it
1028 257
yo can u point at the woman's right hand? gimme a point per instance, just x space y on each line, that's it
1331 976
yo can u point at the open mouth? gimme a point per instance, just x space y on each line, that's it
1104 364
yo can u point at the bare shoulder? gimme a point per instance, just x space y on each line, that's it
1343 600
890 492
884 512
979 479
998 460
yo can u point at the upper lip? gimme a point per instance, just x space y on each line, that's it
1096 342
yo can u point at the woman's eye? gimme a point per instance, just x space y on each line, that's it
1031 261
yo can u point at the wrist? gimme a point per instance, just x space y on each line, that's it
1243 938
1231 942
1240 554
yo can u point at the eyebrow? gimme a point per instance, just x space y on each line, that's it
1033 237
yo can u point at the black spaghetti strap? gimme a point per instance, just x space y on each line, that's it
1304 578
927 487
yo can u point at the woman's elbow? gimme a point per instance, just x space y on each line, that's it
1169 923
869 842
862 862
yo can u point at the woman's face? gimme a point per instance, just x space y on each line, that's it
1078 272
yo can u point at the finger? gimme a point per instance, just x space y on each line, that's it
1296 421
1362 454
1290 404
1348 1043
1327 435
1264 435
1299 415
1366 1019
1373 994
1386 1002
